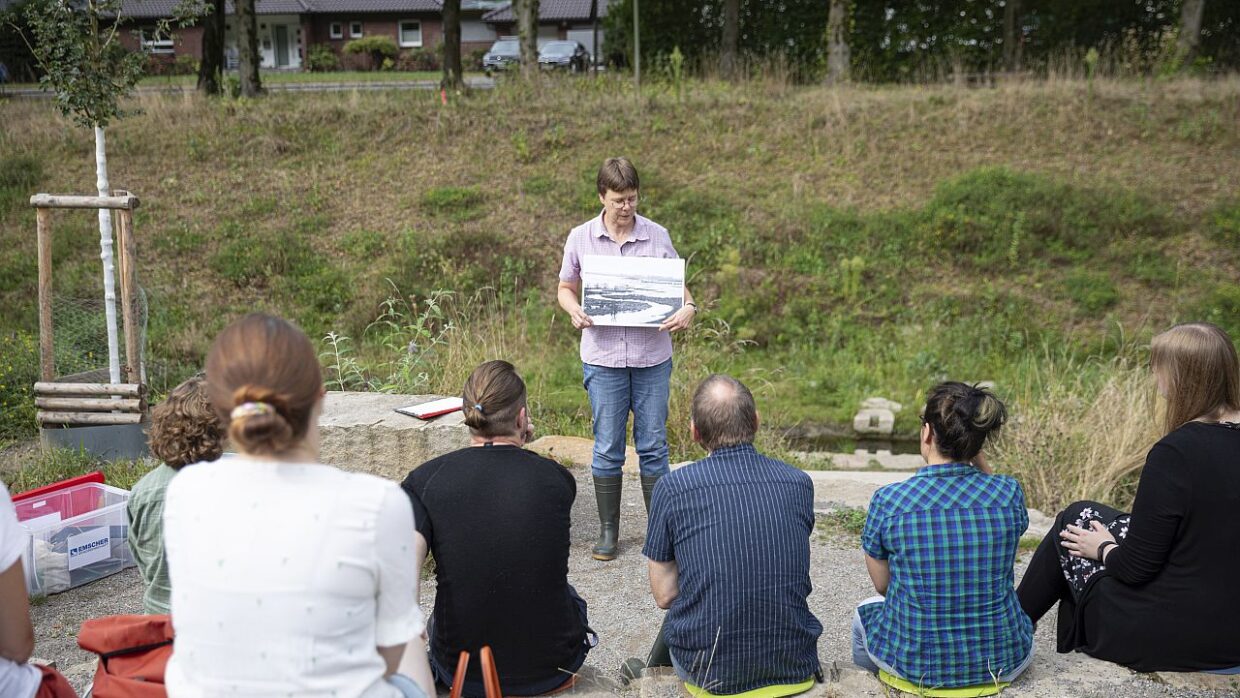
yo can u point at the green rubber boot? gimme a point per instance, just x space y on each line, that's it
607 493
648 482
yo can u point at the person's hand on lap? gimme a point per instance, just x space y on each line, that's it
679 320
1084 542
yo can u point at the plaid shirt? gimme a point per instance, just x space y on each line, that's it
951 616
619 347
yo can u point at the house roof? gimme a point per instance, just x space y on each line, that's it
149 9
552 11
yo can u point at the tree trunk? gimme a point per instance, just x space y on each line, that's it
1012 35
211 68
527 30
105 254
247 44
452 77
839 59
731 37
1190 30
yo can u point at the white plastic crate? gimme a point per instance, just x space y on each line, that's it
77 535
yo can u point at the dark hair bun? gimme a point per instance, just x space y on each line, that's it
962 417
261 431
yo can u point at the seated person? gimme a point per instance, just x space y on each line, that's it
1155 590
184 430
17 678
728 551
289 577
496 518
940 548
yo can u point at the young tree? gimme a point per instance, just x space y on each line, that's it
839 59
729 43
247 42
527 31
211 68
452 78
89 70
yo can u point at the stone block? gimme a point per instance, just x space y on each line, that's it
362 432
880 403
873 421
575 451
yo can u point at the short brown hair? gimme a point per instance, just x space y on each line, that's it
494 395
184 427
961 417
1202 371
264 359
724 412
617 174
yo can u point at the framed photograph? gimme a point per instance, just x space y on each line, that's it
631 291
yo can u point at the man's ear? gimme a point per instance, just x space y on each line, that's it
693 432
757 420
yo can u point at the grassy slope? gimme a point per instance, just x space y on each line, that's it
853 241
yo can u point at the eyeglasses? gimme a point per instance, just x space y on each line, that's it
620 203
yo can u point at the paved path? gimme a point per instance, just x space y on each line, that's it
481 83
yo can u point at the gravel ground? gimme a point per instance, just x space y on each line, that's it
623 613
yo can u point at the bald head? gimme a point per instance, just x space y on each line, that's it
724 412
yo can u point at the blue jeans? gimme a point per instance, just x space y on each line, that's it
614 392
861 654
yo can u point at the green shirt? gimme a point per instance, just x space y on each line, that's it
146 536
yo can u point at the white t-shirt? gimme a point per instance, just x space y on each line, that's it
285 578
15 679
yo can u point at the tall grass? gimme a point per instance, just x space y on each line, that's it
1080 430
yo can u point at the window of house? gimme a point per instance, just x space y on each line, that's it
154 42
410 33
336 30
355 29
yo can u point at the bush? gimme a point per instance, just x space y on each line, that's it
1224 224
458 203
994 215
377 47
322 59
1093 291
185 65
419 59
473 59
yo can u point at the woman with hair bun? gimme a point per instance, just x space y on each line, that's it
289 577
940 548
497 517
1154 590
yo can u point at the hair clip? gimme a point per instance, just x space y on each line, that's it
478 406
247 409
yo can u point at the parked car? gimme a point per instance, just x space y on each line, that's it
503 54
568 55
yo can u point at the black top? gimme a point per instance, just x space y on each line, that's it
1167 599
497 521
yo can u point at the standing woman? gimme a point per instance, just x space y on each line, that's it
289 577
1155 590
626 369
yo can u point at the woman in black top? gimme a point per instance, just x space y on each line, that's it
1155 590
497 517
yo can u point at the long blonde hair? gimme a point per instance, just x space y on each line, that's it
1201 372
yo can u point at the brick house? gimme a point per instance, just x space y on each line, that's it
287 28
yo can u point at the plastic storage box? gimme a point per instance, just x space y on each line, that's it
77 535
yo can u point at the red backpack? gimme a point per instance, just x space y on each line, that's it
133 651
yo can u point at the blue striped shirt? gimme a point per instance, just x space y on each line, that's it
737 524
951 616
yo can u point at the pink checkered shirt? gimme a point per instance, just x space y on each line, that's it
619 347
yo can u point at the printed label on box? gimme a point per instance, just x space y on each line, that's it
90 546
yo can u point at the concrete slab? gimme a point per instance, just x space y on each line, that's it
361 432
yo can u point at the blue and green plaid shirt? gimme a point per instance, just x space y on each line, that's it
951 616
